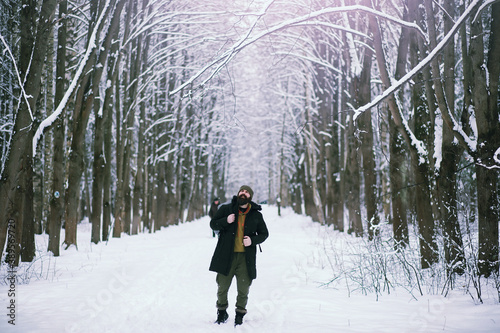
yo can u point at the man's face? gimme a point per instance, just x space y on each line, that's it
243 197
244 193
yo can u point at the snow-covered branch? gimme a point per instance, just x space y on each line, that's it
483 6
245 41
426 61
496 156
91 45
21 85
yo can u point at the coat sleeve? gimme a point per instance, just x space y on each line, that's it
262 232
219 221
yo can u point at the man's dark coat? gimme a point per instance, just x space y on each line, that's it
255 228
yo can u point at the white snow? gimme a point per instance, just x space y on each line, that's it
160 283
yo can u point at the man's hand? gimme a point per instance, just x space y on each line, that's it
230 218
247 241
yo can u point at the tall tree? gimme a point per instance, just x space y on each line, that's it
84 102
16 184
397 144
140 208
108 108
56 194
485 78
361 86
426 225
451 152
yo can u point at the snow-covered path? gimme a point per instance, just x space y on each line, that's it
160 283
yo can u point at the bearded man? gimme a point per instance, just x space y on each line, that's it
241 228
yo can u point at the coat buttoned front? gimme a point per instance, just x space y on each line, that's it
255 228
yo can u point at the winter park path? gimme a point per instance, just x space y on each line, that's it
160 283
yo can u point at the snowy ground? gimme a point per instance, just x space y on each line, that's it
160 283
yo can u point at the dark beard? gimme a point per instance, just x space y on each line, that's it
243 200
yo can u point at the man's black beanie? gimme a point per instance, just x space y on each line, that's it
248 189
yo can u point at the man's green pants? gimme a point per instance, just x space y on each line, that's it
243 282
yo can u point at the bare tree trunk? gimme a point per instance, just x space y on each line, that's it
117 225
56 195
171 210
186 172
43 155
196 200
184 189
396 145
384 168
298 180
396 172
424 211
38 182
281 199
100 170
424 113
447 181
108 105
362 87
28 233
123 196
98 175
127 216
338 145
203 171
81 114
161 198
48 150
186 169
427 243
485 101
83 107
170 203
352 178
307 176
147 193
312 162
85 201
369 172
323 93
9 24
163 170
139 202
134 59
139 208
352 172
16 183
120 136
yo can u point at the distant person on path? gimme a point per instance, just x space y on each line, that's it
241 227
213 210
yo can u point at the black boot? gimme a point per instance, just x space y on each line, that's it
238 320
221 316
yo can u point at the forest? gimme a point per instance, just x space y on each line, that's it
379 118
